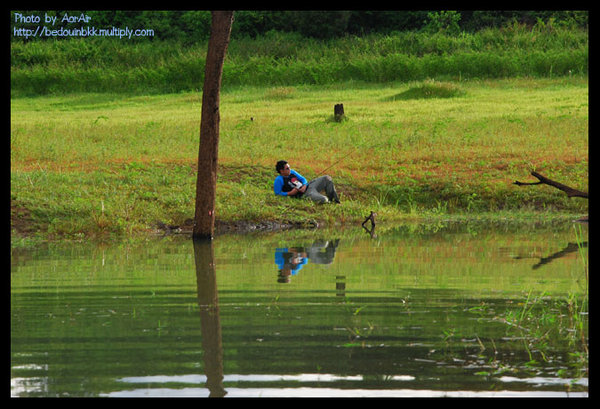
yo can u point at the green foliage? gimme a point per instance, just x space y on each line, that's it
446 21
289 59
430 89
320 24
543 322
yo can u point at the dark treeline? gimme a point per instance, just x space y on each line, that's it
192 26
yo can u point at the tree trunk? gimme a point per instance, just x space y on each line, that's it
206 183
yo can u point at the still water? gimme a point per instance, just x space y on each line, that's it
412 311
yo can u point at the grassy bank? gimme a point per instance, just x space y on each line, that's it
287 59
89 164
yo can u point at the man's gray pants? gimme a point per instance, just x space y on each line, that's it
318 185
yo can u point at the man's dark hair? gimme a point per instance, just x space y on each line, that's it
280 165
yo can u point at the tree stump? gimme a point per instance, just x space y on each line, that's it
338 112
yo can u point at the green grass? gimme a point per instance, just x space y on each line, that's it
430 89
287 59
95 164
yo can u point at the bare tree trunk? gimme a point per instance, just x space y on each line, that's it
206 183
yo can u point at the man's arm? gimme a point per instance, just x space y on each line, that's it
278 186
301 178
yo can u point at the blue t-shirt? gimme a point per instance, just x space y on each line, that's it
283 185
283 259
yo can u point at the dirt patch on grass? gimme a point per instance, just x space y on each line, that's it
21 221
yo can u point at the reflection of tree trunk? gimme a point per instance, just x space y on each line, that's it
206 183
208 302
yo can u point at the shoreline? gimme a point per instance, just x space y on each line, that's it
30 237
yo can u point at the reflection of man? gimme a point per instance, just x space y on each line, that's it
322 251
291 260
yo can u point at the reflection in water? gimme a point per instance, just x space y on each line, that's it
340 286
411 313
208 302
290 260
570 248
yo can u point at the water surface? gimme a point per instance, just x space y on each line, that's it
412 311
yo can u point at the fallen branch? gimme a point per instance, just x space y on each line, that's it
372 218
544 180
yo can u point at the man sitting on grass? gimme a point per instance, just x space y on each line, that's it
291 183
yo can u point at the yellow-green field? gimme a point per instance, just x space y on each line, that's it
97 164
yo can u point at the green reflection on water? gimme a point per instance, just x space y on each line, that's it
412 311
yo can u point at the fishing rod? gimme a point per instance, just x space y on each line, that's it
346 157
329 167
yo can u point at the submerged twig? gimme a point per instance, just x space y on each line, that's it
372 218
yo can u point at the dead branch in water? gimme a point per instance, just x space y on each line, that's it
372 218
